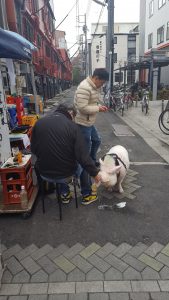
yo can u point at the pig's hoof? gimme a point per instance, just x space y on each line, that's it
121 191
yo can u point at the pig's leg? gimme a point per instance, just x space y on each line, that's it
119 182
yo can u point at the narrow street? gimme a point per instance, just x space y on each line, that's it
91 244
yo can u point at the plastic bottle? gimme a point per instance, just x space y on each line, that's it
105 207
24 198
19 157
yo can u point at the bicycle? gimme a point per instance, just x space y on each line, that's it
163 120
120 103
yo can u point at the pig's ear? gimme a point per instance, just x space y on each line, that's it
101 162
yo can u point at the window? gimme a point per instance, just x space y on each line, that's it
161 3
151 8
29 32
35 6
131 37
160 35
18 17
167 32
132 54
115 57
50 22
47 51
150 40
115 39
39 40
119 77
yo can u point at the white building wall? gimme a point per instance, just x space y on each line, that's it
121 31
159 18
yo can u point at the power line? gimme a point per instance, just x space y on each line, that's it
66 15
101 12
35 12
71 56
72 46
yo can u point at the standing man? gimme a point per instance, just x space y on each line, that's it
87 104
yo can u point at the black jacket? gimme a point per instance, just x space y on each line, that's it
58 145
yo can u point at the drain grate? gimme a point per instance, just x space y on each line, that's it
122 130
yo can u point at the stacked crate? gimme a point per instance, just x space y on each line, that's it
13 178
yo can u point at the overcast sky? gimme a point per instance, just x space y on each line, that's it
124 11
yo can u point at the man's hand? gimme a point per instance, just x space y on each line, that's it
103 108
97 178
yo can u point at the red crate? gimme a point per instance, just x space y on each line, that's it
12 180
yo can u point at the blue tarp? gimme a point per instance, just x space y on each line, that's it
15 46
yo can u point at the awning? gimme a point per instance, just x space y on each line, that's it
15 46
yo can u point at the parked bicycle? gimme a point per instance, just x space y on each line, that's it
163 120
145 102
120 103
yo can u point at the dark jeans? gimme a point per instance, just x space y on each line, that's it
93 141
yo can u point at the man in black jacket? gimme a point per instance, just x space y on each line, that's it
59 147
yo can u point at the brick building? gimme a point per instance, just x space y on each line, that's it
35 20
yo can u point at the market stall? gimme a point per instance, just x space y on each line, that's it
16 169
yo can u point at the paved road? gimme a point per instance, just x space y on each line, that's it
93 251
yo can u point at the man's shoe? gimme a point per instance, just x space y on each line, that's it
66 198
89 199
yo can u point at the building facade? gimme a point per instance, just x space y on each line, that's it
35 20
154 31
126 48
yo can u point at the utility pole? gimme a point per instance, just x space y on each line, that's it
110 43
85 50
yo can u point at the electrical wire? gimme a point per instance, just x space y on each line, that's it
101 12
72 46
35 12
66 15
71 56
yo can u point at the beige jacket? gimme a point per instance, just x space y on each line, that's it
86 102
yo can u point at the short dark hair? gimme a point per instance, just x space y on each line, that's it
66 107
101 73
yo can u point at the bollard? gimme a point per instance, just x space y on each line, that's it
162 105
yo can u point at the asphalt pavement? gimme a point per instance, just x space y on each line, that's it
99 254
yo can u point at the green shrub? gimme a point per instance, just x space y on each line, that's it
163 94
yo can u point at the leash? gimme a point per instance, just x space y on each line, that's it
116 158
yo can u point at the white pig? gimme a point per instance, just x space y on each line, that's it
114 167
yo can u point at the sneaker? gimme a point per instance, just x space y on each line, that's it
66 198
89 199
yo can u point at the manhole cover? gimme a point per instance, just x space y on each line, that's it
122 130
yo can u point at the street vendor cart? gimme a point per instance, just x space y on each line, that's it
14 174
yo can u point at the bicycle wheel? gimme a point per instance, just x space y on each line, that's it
146 107
142 107
165 119
161 125
122 110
